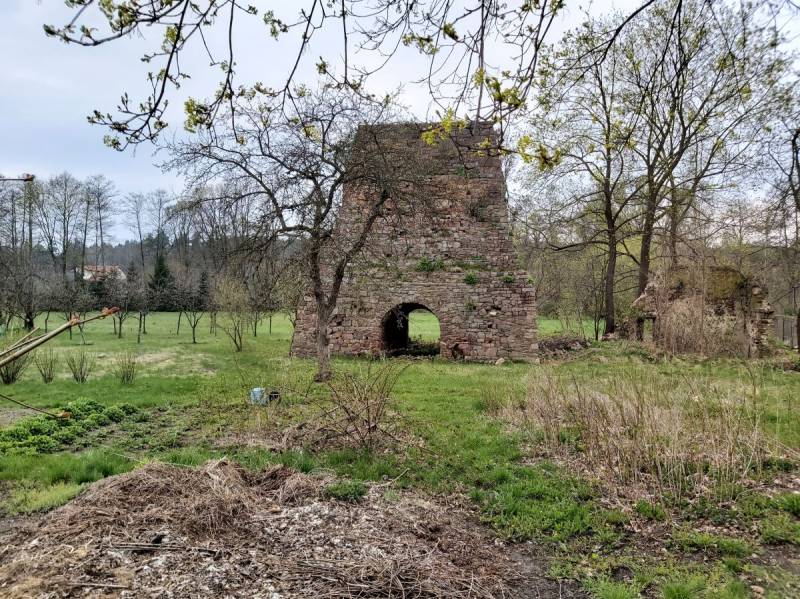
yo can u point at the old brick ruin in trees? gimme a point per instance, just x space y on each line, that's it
723 292
448 251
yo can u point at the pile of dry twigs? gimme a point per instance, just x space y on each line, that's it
221 530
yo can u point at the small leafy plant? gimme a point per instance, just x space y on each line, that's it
346 490
46 434
471 278
429 265
651 511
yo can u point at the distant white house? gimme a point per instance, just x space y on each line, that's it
94 273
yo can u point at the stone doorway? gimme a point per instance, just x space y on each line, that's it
410 329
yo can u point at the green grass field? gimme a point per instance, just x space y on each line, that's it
190 399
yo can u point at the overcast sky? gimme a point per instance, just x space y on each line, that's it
47 88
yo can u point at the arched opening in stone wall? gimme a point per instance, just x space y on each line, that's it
410 329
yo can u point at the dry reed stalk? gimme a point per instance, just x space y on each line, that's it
650 431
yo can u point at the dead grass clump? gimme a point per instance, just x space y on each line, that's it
678 439
688 326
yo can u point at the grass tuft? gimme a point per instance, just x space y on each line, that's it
346 490
27 498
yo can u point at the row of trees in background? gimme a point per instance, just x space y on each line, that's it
191 258
679 148
650 140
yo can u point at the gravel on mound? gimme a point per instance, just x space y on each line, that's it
223 531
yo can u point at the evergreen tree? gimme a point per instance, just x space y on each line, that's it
131 274
162 286
203 292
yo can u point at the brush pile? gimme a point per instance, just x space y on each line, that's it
223 531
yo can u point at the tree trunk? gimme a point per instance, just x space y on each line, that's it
797 327
194 334
119 335
180 315
323 345
644 253
139 331
83 241
28 321
102 249
611 272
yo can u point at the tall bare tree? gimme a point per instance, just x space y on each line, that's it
297 167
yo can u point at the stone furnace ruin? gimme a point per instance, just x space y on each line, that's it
449 252
735 300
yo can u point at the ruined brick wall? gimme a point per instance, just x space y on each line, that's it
726 293
448 251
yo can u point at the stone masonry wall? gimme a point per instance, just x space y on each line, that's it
447 249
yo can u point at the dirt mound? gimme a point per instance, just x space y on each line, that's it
223 531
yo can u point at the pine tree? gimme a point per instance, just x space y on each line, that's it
162 285
131 274
203 291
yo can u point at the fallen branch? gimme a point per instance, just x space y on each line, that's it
163 547
36 342
101 585
18 343
35 409
27 344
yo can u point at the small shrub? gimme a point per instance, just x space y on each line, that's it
46 361
81 364
508 279
471 278
790 502
115 414
651 511
359 411
690 588
12 372
346 490
125 367
726 546
780 529
429 265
